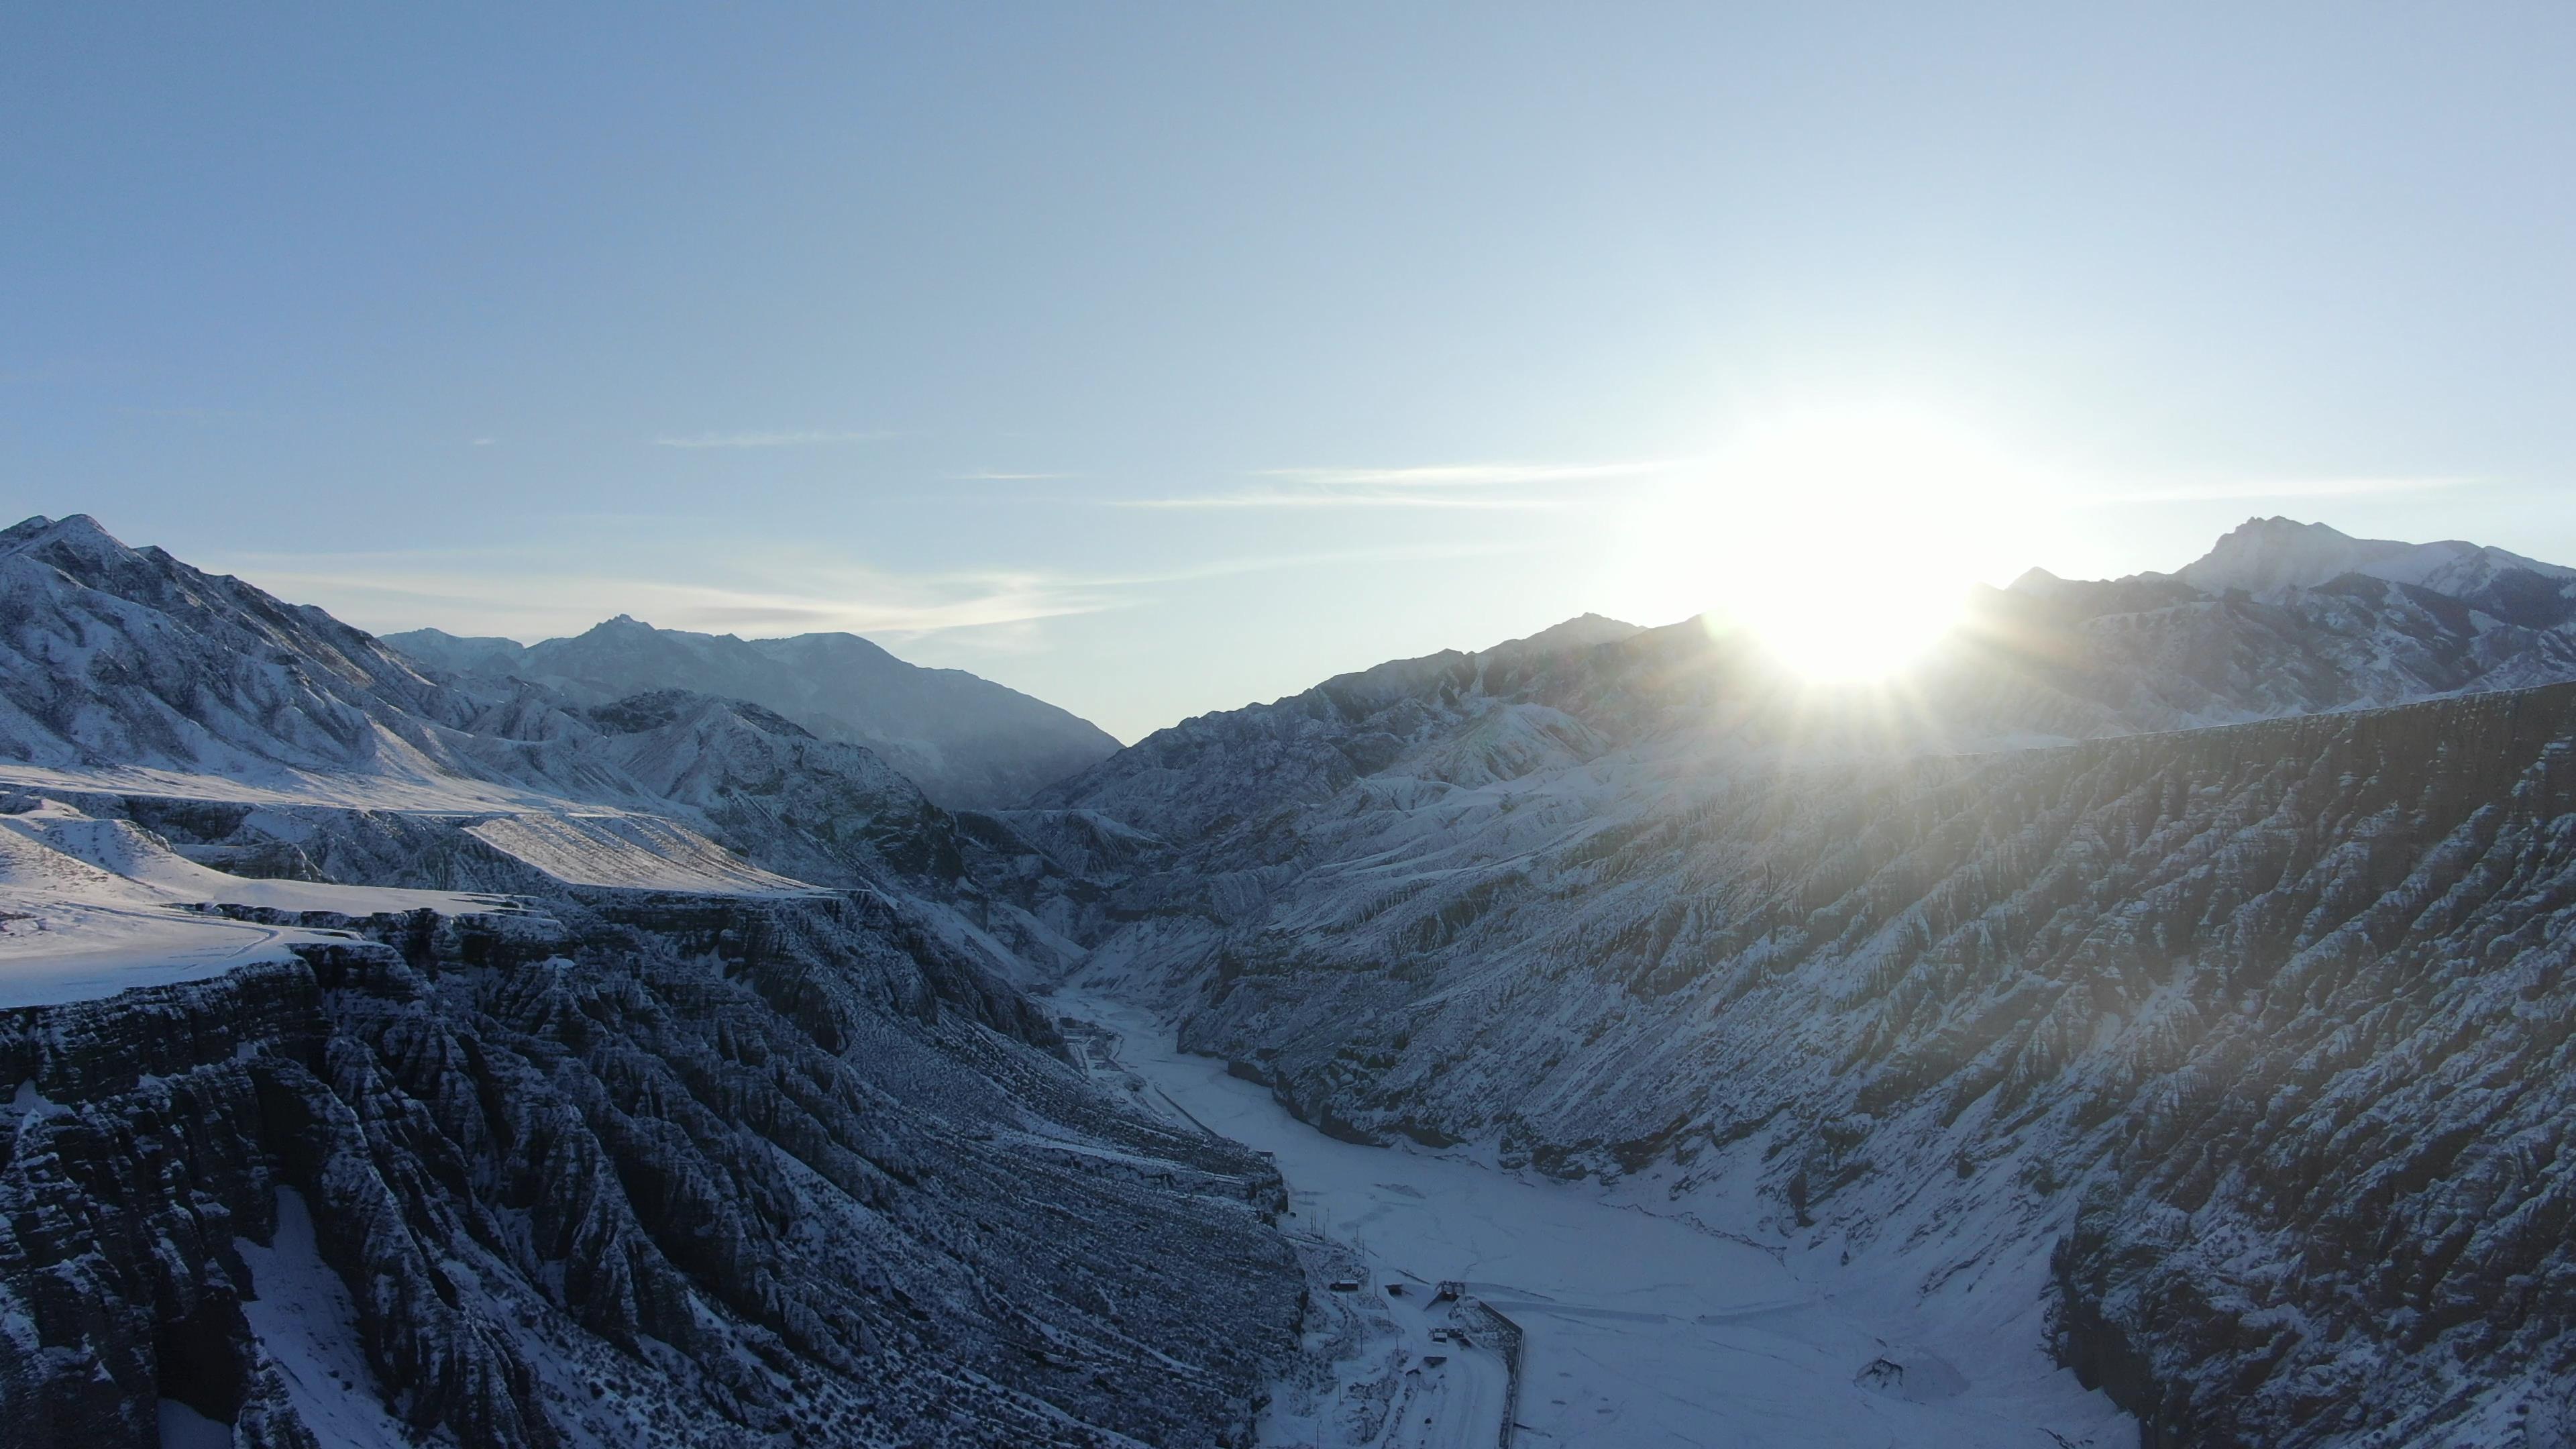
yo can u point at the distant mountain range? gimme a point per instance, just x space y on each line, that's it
967 742
2171 971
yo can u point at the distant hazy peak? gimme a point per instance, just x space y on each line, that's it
2270 553
968 742
441 636
1574 633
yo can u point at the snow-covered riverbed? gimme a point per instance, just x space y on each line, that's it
1641 1330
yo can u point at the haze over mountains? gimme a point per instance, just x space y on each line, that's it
966 741
605 1041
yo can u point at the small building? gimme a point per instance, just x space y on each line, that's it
1344 1285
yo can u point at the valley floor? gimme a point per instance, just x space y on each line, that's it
1640 1330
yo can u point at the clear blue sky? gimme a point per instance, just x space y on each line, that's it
1103 349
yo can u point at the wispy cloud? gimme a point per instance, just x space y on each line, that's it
796 438
398 591
2261 488
1338 499
508 592
1473 475
1488 486
484 443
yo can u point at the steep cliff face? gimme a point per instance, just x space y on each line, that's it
2263 1032
668 1170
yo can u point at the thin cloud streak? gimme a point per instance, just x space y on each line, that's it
1337 500
1476 486
1474 475
395 590
2256 488
538 607
800 438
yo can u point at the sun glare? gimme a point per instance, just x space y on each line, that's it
1845 542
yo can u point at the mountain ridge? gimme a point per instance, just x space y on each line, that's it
968 742
2171 974
410 1058
1948 979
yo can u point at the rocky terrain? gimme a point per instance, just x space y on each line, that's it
398 1059
2173 969
2244 1047
647 1170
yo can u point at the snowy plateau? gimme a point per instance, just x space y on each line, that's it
2148 1019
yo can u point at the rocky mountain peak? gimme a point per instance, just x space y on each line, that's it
2269 553
77 537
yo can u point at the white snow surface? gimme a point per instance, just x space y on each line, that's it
308 1330
185 1428
89 908
1642 1329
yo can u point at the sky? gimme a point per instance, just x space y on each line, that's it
1160 359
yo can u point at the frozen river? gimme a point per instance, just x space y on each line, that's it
1640 1330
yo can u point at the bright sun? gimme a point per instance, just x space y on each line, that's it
1845 541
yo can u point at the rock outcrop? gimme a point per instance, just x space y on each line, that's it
669 1170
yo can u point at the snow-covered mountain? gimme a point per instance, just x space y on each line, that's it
128 672
2264 554
968 742
404 1060
2239 1048
2173 970
2046 661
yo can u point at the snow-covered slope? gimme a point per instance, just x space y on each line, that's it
126 673
406 1061
2240 1050
2171 970
87 908
2243 1047
968 742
